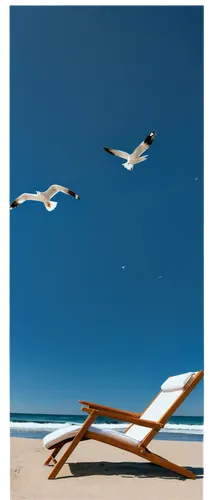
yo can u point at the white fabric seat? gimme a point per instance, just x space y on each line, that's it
70 432
171 389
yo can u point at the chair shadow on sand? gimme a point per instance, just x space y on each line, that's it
127 470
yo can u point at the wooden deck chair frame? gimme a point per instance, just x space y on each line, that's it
140 449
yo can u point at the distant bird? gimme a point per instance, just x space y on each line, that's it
44 197
159 277
134 158
123 267
196 178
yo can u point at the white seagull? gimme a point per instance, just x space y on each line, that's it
123 267
44 197
196 178
134 157
159 277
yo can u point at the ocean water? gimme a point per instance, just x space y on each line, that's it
38 425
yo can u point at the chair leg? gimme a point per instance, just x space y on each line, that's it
156 459
73 444
53 455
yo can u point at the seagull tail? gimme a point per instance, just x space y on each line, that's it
51 205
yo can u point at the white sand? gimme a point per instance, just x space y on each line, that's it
101 472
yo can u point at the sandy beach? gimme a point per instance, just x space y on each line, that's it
100 472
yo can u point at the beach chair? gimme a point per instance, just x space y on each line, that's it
142 429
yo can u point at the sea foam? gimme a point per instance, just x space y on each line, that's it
50 426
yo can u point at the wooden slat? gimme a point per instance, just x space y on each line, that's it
73 444
125 418
101 407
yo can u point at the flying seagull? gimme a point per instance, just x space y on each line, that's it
159 277
134 157
44 197
196 178
123 267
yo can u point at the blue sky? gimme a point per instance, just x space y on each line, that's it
81 328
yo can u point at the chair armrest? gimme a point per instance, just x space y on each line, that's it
101 407
125 418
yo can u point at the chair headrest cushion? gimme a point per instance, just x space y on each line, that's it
176 383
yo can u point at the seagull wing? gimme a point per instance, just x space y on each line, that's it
55 188
25 197
140 149
143 146
116 152
52 190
